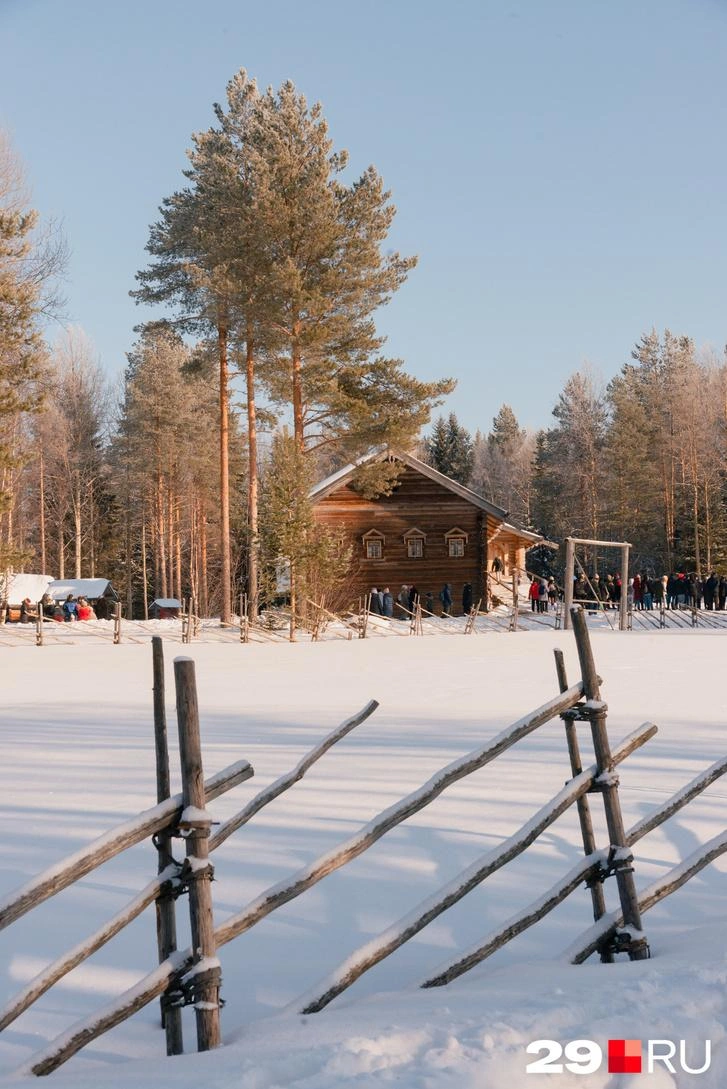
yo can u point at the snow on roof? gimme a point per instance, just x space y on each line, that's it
167 603
89 588
26 585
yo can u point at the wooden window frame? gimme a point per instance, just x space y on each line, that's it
374 537
414 537
461 538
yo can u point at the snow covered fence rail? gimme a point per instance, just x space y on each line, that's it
82 862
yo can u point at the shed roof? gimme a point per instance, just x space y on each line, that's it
25 585
89 588
167 603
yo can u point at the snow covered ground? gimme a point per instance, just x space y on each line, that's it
76 749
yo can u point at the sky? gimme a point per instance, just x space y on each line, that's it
559 168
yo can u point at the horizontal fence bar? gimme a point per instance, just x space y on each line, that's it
73 867
416 920
173 969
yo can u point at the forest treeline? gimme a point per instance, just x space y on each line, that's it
265 371
641 459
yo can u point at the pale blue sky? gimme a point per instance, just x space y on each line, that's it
560 166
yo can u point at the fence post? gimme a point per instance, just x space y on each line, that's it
244 620
39 625
117 623
196 825
165 904
584 810
620 857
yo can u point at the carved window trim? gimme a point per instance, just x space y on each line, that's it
415 539
373 544
456 539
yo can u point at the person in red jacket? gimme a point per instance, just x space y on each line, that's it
84 610
534 593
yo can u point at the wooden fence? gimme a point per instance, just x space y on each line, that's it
192 976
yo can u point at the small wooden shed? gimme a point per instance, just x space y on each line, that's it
18 587
165 608
98 592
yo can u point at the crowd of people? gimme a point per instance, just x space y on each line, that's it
63 612
382 602
644 591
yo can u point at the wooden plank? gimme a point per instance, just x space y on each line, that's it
70 869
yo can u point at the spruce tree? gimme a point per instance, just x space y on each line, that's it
449 449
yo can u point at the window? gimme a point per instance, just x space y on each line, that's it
373 543
414 540
456 542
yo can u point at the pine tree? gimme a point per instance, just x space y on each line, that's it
22 352
327 276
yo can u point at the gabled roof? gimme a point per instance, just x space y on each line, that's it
24 585
342 477
88 588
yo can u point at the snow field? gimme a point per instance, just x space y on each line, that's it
77 749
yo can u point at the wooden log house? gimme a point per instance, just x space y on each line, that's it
431 530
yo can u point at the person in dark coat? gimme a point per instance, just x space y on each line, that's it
467 598
374 606
429 602
445 596
413 595
711 588
388 609
722 592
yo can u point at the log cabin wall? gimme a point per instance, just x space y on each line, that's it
417 503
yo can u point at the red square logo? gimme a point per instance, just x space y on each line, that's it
624 1056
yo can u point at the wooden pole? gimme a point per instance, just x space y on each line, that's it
584 810
117 624
595 710
39 625
196 823
623 604
568 588
165 904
